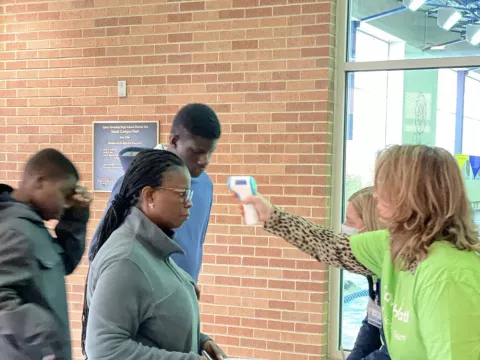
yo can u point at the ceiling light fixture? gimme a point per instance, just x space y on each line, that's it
414 5
448 17
473 34
444 45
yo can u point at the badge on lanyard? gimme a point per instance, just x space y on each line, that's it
374 310
374 313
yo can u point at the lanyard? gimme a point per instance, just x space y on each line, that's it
376 290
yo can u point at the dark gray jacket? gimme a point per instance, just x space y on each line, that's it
33 301
368 345
141 304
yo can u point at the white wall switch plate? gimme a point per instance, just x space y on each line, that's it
122 88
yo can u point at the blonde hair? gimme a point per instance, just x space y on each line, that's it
365 206
424 188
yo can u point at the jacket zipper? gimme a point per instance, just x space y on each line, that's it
177 274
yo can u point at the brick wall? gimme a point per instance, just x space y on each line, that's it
266 68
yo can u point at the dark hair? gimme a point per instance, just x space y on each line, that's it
52 163
146 169
199 120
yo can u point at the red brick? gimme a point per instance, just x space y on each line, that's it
180 37
222 280
15 9
132 20
245 3
15 65
244 44
254 323
179 58
16 102
182 17
219 67
273 86
287 10
117 31
155 59
316 8
106 22
231 14
94 52
48 16
7 37
280 325
283 346
19 46
192 6
316 52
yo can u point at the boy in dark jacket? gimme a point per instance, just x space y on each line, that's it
33 302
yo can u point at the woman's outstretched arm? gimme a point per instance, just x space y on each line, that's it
323 244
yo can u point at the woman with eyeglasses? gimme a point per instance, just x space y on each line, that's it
138 303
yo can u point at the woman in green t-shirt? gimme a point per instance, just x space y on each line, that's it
428 259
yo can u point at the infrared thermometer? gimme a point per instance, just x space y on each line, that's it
205 354
245 186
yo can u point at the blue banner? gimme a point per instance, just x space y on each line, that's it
475 164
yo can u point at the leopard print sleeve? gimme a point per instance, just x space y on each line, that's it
315 240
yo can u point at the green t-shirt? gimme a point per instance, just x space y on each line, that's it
433 314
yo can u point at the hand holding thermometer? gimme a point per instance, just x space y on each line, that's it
245 186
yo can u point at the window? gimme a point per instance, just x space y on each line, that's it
425 36
396 86
471 125
427 107
446 109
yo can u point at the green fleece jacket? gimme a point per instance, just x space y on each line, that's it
141 305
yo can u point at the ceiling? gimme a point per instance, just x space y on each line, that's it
419 29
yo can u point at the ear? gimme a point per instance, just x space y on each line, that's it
147 194
174 140
37 181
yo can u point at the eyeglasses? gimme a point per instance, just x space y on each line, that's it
185 194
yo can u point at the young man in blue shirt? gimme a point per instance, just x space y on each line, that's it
194 136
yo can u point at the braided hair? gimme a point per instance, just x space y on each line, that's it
146 169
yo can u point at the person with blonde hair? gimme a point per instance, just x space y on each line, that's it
428 259
361 213
361 216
